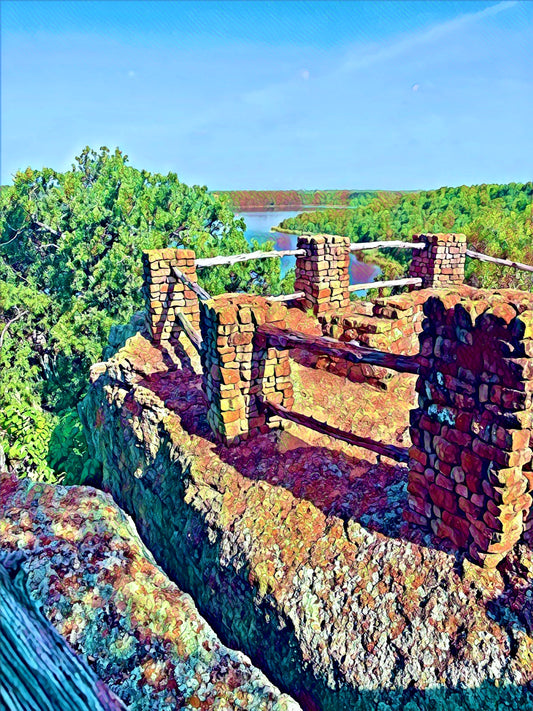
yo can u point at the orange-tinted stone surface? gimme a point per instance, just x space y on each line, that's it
100 588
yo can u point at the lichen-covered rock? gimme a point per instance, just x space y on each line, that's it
343 607
100 588
39 670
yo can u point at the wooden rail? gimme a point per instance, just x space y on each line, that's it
234 258
195 337
247 256
400 454
381 284
192 285
497 260
287 297
281 338
354 247
397 244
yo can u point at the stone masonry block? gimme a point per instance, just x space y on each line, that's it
482 399
236 355
171 294
322 273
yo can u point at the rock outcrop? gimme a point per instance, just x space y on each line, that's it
39 670
100 588
298 556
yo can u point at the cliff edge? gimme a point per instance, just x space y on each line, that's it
297 554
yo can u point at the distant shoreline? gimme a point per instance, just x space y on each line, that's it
285 231
292 208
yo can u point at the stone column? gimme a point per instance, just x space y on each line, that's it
470 464
165 295
441 263
239 369
323 272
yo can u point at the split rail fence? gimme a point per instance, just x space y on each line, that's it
322 263
282 339
460 467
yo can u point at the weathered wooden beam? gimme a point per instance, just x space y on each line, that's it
399 454
192 285
497 260
234 258
38 669
194 336
381 284
287 297
397 244
281 338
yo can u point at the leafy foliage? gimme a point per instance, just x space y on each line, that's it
24 426
70 269
497 220
24 435
67 453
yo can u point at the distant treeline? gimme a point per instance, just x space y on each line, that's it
497 220
277 199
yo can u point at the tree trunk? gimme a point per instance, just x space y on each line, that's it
38 669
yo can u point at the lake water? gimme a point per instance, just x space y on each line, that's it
258 226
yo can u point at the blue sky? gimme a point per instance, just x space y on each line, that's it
388 95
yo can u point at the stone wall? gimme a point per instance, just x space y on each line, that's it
441 263
238 367
165 295
323 272
470 468
390 324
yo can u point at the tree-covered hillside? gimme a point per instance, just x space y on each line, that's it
70 269
242 200
497 220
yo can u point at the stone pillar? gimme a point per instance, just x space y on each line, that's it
470 463
441 263
323 273
165 295
239 369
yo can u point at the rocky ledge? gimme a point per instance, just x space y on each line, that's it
99 586
296 552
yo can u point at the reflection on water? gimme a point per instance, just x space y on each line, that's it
258 224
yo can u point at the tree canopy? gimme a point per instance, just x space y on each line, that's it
70 269
293 199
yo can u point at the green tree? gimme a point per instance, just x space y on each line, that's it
25 428
497 220
70 267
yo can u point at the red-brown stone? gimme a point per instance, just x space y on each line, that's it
443 498
446 451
